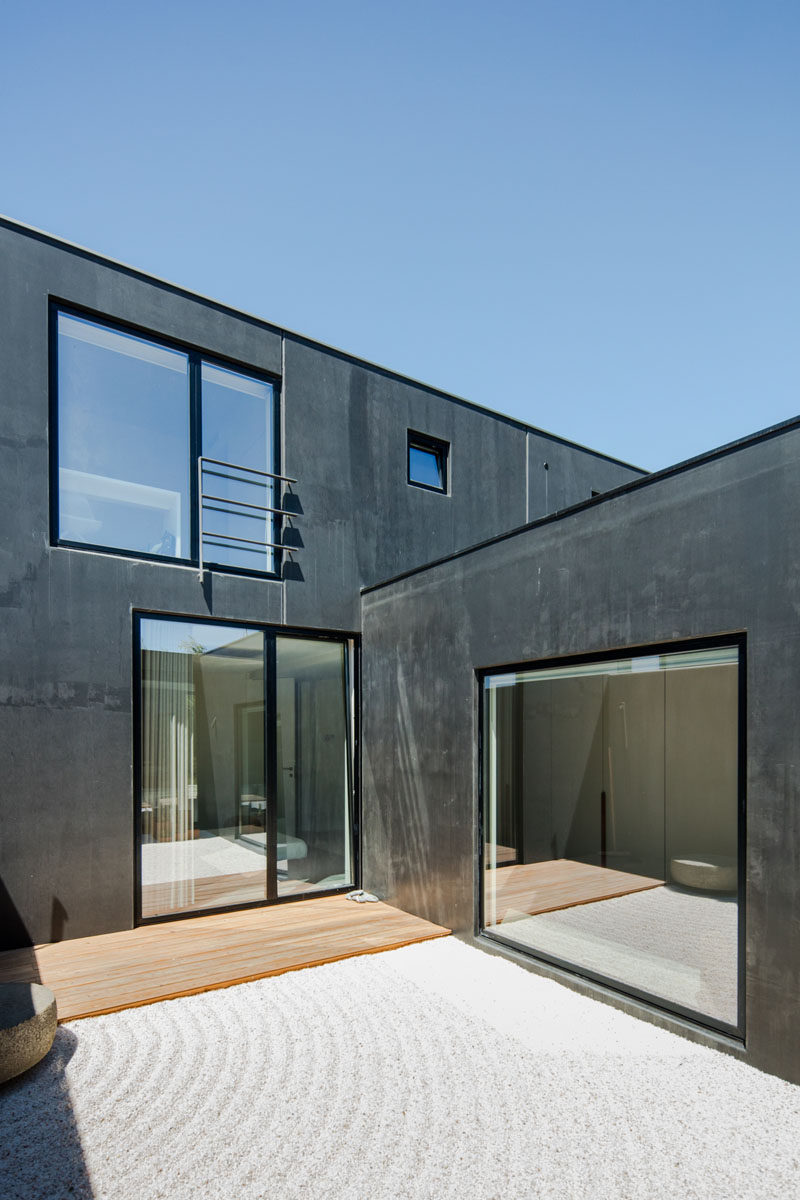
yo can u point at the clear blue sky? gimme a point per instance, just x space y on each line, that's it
585 214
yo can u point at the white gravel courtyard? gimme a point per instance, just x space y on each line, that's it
435 1071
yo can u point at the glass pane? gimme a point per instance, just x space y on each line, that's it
611 794
203 766
123 440
313 766
237 429
425 466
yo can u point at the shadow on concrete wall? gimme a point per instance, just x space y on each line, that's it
14 933
13 930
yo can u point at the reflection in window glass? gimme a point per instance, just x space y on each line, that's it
611 822
123 437
214 794
313 766
203 792
237 428
427 462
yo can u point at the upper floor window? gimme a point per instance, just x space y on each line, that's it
427 461
134 415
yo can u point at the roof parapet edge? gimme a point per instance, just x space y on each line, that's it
104 259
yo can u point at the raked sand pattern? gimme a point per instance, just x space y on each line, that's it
436 1071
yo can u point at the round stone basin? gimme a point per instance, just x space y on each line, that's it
711 873
27 1026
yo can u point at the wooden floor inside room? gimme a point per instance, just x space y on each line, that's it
542 887
243 887
113 971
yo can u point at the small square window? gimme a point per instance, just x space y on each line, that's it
427 462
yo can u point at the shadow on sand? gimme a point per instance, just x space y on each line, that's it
41 1157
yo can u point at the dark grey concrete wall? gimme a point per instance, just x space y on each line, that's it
66 722
66 629
345 435
703 551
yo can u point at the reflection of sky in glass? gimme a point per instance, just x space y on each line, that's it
124 405
424 467
123 416
307 658
190 637
124 447
237 418
237 428
680 661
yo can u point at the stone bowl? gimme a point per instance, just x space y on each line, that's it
28 1022
706 873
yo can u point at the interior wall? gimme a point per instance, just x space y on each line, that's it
633 771
581 739
701 762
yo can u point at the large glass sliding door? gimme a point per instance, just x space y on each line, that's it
612 816
245 766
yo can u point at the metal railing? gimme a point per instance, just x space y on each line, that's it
209 502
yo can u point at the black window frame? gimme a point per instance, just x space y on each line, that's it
429 445
196 356
735 639
271 632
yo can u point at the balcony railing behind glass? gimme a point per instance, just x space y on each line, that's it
270 516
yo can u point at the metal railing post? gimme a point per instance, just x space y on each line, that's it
229 506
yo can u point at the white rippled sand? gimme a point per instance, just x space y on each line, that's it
435 1071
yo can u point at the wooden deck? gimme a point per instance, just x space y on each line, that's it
542 887
113 971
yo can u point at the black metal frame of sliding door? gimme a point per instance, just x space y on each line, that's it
270 763
351 646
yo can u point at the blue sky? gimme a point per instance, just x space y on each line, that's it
583 214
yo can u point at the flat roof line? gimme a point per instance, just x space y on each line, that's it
689 464
104 259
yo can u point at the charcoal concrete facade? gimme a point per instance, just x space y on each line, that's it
710 548
523 566
67 803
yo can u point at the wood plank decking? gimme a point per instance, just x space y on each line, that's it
547 886
113 971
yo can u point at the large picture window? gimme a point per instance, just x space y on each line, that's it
611 816
133 416
246 765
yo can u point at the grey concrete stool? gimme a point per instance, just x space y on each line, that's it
27 1026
